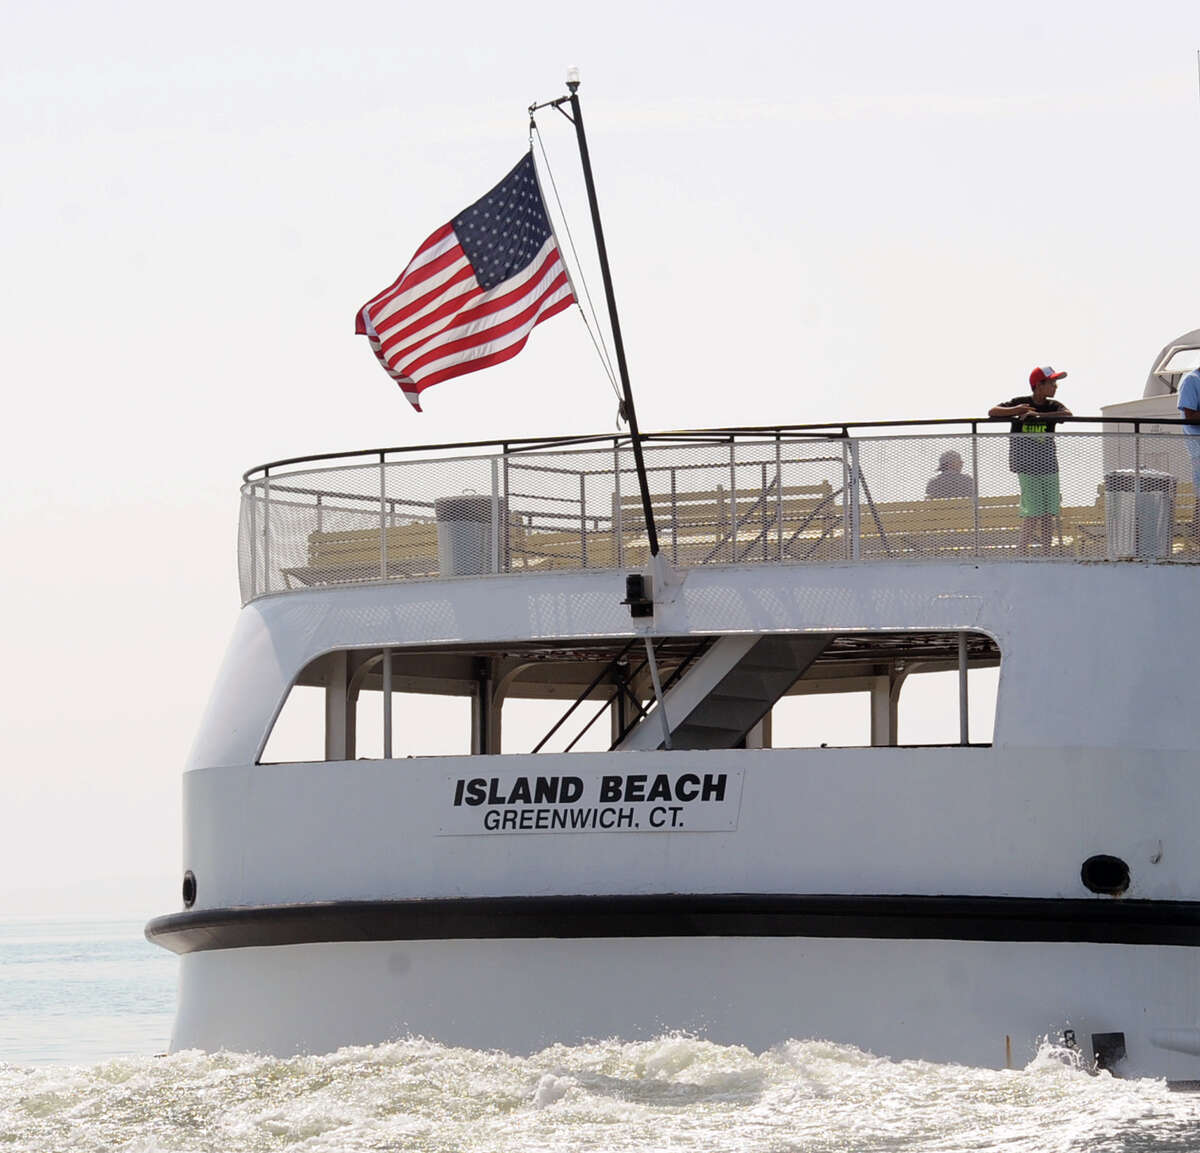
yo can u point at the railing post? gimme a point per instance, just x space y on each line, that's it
975 476
674 517
266 532
779 495
855 509
320 512
495 516
382 519
846 498
766 521
1137 488
733 510
253 539
506 556
583 518
618 518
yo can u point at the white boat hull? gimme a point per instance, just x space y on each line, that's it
980 1003
1099 764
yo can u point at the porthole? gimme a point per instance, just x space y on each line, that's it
189 889
1105 874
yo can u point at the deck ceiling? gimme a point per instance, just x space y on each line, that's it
553 670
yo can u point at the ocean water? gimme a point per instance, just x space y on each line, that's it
82 990
86 1005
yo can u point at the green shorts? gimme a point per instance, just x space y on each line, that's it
1039 494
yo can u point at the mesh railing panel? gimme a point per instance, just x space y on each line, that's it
730 500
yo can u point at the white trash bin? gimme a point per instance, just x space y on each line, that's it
1139 514
464 530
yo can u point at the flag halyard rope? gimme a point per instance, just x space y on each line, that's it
597 336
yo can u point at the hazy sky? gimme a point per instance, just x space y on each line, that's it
813 211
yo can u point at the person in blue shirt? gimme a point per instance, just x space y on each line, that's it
1189 409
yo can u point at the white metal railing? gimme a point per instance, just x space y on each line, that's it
729 497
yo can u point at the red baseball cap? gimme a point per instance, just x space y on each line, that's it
1044 373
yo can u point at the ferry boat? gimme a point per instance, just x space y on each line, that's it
959 902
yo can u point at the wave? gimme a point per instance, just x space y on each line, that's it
676 1092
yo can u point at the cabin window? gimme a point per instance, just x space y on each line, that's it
927 713
527 722
298 734
782 691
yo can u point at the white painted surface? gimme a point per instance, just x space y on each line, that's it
938 1000
983 822
1101 654
1095 752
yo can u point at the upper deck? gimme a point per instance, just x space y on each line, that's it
785 495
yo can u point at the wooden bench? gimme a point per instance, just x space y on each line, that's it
806 522
924 527
530 547
713 526
944 527
341 556
693 528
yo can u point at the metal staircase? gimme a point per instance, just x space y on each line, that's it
728 691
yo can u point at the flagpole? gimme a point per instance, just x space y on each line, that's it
627 405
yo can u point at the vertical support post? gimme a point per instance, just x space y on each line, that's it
485 710
481 710
266 532
883 712
964 734
336 684
382 519
759 736
351 722
855 508
387 704
320 512
618 713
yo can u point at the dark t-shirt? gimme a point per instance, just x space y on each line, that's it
1031 450
950 484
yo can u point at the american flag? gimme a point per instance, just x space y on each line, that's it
473 292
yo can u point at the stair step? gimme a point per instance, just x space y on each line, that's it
733 686
704 737
743 682
733 713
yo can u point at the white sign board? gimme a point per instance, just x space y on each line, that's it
681 801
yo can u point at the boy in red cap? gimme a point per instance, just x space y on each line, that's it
1032 456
